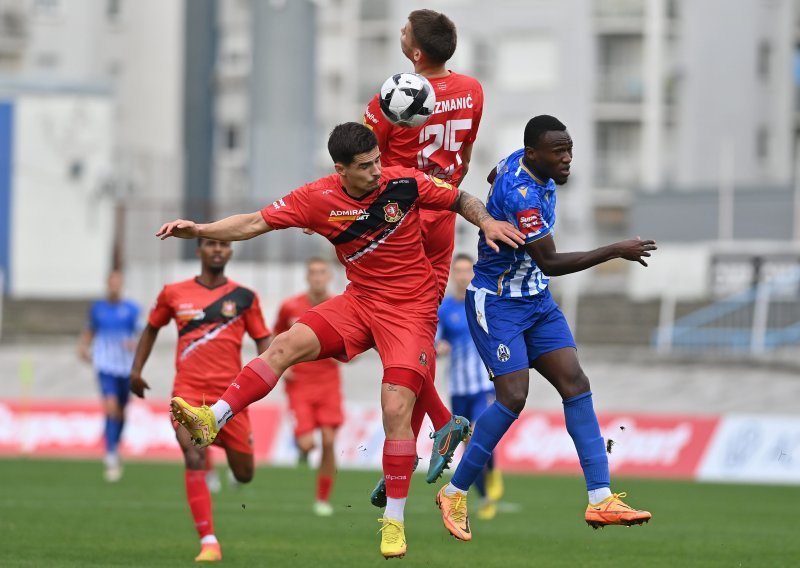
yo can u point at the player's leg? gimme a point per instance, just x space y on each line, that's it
302 411
198 496
492 475
504 353
327 472
562 369
331 329
113 426
450 429
398 394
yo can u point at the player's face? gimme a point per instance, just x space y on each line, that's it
552 156
407 41
318 277
214 255
115 284
461 274
363 175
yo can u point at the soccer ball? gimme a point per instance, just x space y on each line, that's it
407 99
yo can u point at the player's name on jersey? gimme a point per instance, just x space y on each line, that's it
457 103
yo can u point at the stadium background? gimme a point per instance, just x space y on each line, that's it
118 115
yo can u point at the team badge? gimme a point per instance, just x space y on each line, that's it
392 212
423 359
229 308
503 353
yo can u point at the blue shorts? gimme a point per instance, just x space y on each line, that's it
116 386
471 406
511 333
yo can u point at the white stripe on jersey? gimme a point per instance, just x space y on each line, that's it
110 354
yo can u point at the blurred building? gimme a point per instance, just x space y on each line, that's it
685 114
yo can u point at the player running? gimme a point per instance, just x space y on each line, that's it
471 390
314 388
442 147
111 334
212 314
371 216
516 325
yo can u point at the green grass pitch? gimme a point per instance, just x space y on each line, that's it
60 513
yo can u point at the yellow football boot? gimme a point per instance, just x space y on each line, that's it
393 538
199 421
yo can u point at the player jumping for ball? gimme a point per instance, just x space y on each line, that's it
441 147
371 216
516 325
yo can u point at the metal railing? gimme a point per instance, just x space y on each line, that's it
759 319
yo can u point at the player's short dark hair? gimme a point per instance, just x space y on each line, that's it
538 125
463 256
434 33
349 139
316 260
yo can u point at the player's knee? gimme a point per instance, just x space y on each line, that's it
244 474
574 384
397 409
514 401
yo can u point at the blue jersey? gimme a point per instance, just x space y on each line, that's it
114 326
529 204
467 374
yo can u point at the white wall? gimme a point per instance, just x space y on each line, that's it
62 224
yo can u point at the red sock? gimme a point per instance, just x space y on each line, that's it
199 501
429 400
398 465
324 485
253 383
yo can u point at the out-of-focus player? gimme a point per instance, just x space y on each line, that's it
107 342
471 390
212 314
314 388
516 324
371 215
441 147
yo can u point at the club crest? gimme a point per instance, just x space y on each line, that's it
392 212
229 308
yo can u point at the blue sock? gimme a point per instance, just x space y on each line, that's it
584 429
480 483
490 427
113 432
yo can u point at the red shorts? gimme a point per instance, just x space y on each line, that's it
403 336
237 435
314 406
438 239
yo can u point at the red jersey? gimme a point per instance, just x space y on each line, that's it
377 237
211 324
435 147
313 373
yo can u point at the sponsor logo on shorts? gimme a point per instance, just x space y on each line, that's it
423 359
503 353
392 212
229 308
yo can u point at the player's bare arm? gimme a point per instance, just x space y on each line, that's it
466 157
84 345
143 350
474 211
554 263
234 228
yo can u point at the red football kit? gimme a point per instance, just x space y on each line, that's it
434 148
390 302
314 389
211 324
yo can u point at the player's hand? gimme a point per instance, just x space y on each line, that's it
502 231
635 249
83 353
138 385
180 228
